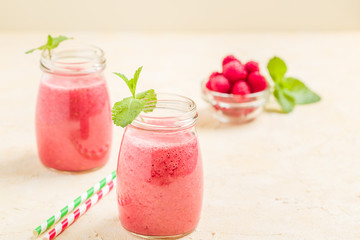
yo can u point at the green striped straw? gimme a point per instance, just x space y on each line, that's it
72 205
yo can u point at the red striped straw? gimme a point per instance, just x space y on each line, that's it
83 208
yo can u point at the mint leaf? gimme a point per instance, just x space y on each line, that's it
277 69
49 41
286 101
299 91
56 41
126 110
39 48
289 91
127 81
132 82
50 44
123 77
136 77
149 97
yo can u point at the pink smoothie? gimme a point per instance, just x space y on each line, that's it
73 122
160 182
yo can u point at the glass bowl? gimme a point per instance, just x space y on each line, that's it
230 108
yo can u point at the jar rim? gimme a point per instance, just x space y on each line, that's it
73 59
180 113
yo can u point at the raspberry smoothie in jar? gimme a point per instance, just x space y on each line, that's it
160 174
73 117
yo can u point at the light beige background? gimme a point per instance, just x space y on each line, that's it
281 177
179 15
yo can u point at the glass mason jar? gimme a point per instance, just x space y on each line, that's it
160 173
73 115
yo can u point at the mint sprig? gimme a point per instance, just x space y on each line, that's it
50 44
289 91
126 110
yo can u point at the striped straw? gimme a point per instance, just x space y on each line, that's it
72 217
72 205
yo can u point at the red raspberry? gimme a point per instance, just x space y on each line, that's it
241 88
229 58
213 75
208 84
252 66
220 84
234 71
257 82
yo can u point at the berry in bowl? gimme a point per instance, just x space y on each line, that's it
239 93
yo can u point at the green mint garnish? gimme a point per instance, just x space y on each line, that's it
51 44
289 91
126 110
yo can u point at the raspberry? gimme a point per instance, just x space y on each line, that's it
252 66
208 85
234 71
228 59
214 74
220 84
257 82
241 88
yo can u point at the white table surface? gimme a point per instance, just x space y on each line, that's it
294 176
